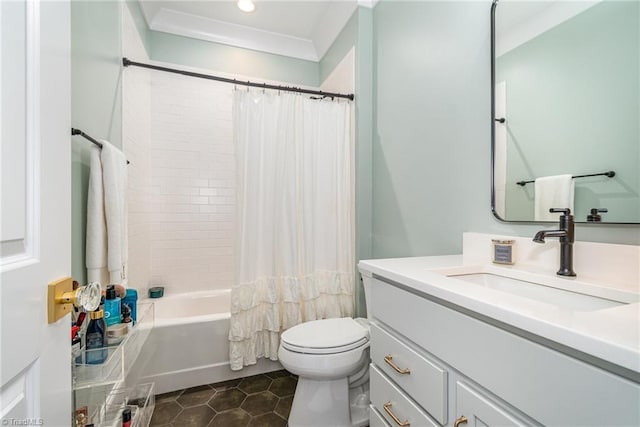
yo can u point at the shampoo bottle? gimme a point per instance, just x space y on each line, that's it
131 300
96 339
112 307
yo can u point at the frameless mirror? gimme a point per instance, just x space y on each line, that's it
566 101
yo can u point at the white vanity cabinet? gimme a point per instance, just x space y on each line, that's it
435 363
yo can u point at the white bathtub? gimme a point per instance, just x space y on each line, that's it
188 345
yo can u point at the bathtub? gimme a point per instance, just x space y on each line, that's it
188 345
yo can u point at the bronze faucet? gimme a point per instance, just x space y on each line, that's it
566 235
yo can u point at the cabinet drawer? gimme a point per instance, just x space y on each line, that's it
423 380
384 394
376 419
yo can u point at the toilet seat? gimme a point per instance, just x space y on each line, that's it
326 336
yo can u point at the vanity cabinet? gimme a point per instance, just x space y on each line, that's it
434 363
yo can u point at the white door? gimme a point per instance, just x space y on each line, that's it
35 211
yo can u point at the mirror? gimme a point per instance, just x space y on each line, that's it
566 101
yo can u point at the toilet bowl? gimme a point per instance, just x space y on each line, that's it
331 359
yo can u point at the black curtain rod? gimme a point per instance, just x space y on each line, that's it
75 131
610 174
126 62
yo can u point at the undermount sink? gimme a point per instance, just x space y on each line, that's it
541 292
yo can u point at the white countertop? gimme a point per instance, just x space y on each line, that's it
611 334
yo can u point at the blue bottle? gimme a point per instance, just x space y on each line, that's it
131 300
112 307
96 339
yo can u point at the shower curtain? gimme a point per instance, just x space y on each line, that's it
295 218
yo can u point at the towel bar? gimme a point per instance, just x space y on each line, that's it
609 174
75 131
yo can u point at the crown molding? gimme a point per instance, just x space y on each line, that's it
312 49
188 25
368 3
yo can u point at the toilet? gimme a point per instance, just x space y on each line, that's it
331 359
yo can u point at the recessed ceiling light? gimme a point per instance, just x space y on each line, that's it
246 5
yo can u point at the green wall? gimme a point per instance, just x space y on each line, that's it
347 39
431 134
357 34
96 104
432 127
215 56
140 22
573 107
364 134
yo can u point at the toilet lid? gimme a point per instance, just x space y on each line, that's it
325 336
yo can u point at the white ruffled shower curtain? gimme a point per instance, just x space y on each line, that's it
295 218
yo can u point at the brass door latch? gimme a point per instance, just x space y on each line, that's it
61 297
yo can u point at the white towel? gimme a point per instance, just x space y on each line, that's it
553 192
96 250
107 244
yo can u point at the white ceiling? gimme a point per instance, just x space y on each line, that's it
302 29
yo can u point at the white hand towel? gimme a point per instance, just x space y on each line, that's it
96 250
114 180
553 192
107 244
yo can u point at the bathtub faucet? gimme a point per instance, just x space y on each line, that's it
566 235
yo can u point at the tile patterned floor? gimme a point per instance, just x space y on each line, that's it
257 401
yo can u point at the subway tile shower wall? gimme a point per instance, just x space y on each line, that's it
136 126
193 186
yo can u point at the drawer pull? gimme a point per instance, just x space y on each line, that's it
460 421
389 359
387 408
